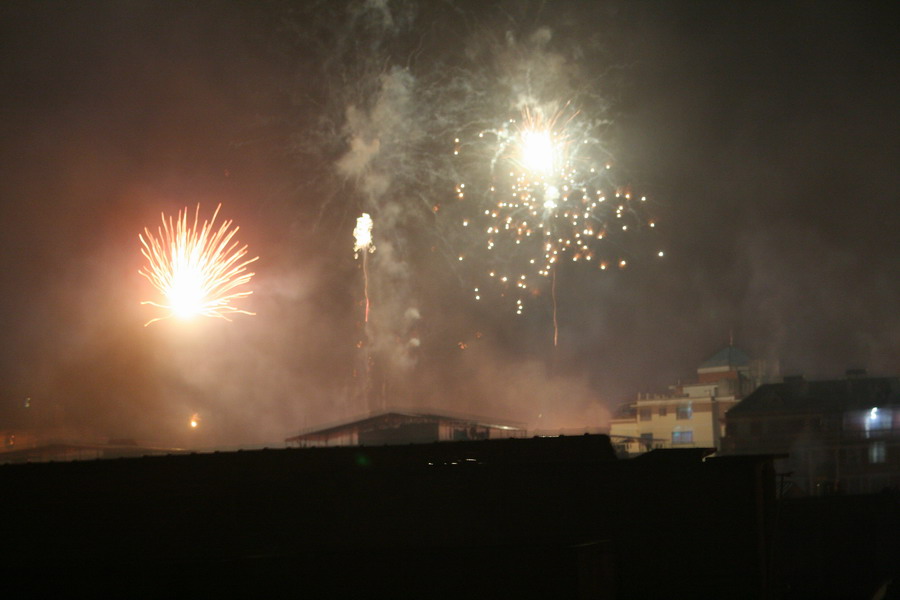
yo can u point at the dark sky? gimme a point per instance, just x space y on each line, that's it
764 135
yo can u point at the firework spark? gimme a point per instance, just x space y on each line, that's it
198 269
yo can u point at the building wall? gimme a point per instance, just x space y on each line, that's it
406 433
716 375
827 451
662 421
404 429
341 438
675 422
822 462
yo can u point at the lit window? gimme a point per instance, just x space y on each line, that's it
877 454
682 437
684 411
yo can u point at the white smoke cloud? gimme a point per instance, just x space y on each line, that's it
380 145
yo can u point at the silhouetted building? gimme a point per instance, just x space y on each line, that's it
539 517
405 428
840 435
692 414
60 450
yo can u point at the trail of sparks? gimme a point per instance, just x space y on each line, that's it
555 323
198 269
362 235
362 244
366 287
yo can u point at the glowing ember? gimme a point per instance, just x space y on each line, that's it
197 268
195 421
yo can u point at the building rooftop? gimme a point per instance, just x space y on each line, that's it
800 396
396 418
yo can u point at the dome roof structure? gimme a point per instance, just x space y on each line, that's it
727 357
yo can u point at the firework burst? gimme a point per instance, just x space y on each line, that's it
546 195
199 269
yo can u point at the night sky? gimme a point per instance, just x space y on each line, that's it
764 136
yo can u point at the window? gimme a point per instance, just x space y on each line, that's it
663 411
876 453
682 437
684 411
646 440
645 414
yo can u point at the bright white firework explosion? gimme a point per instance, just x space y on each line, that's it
198 269
546 196
362 235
